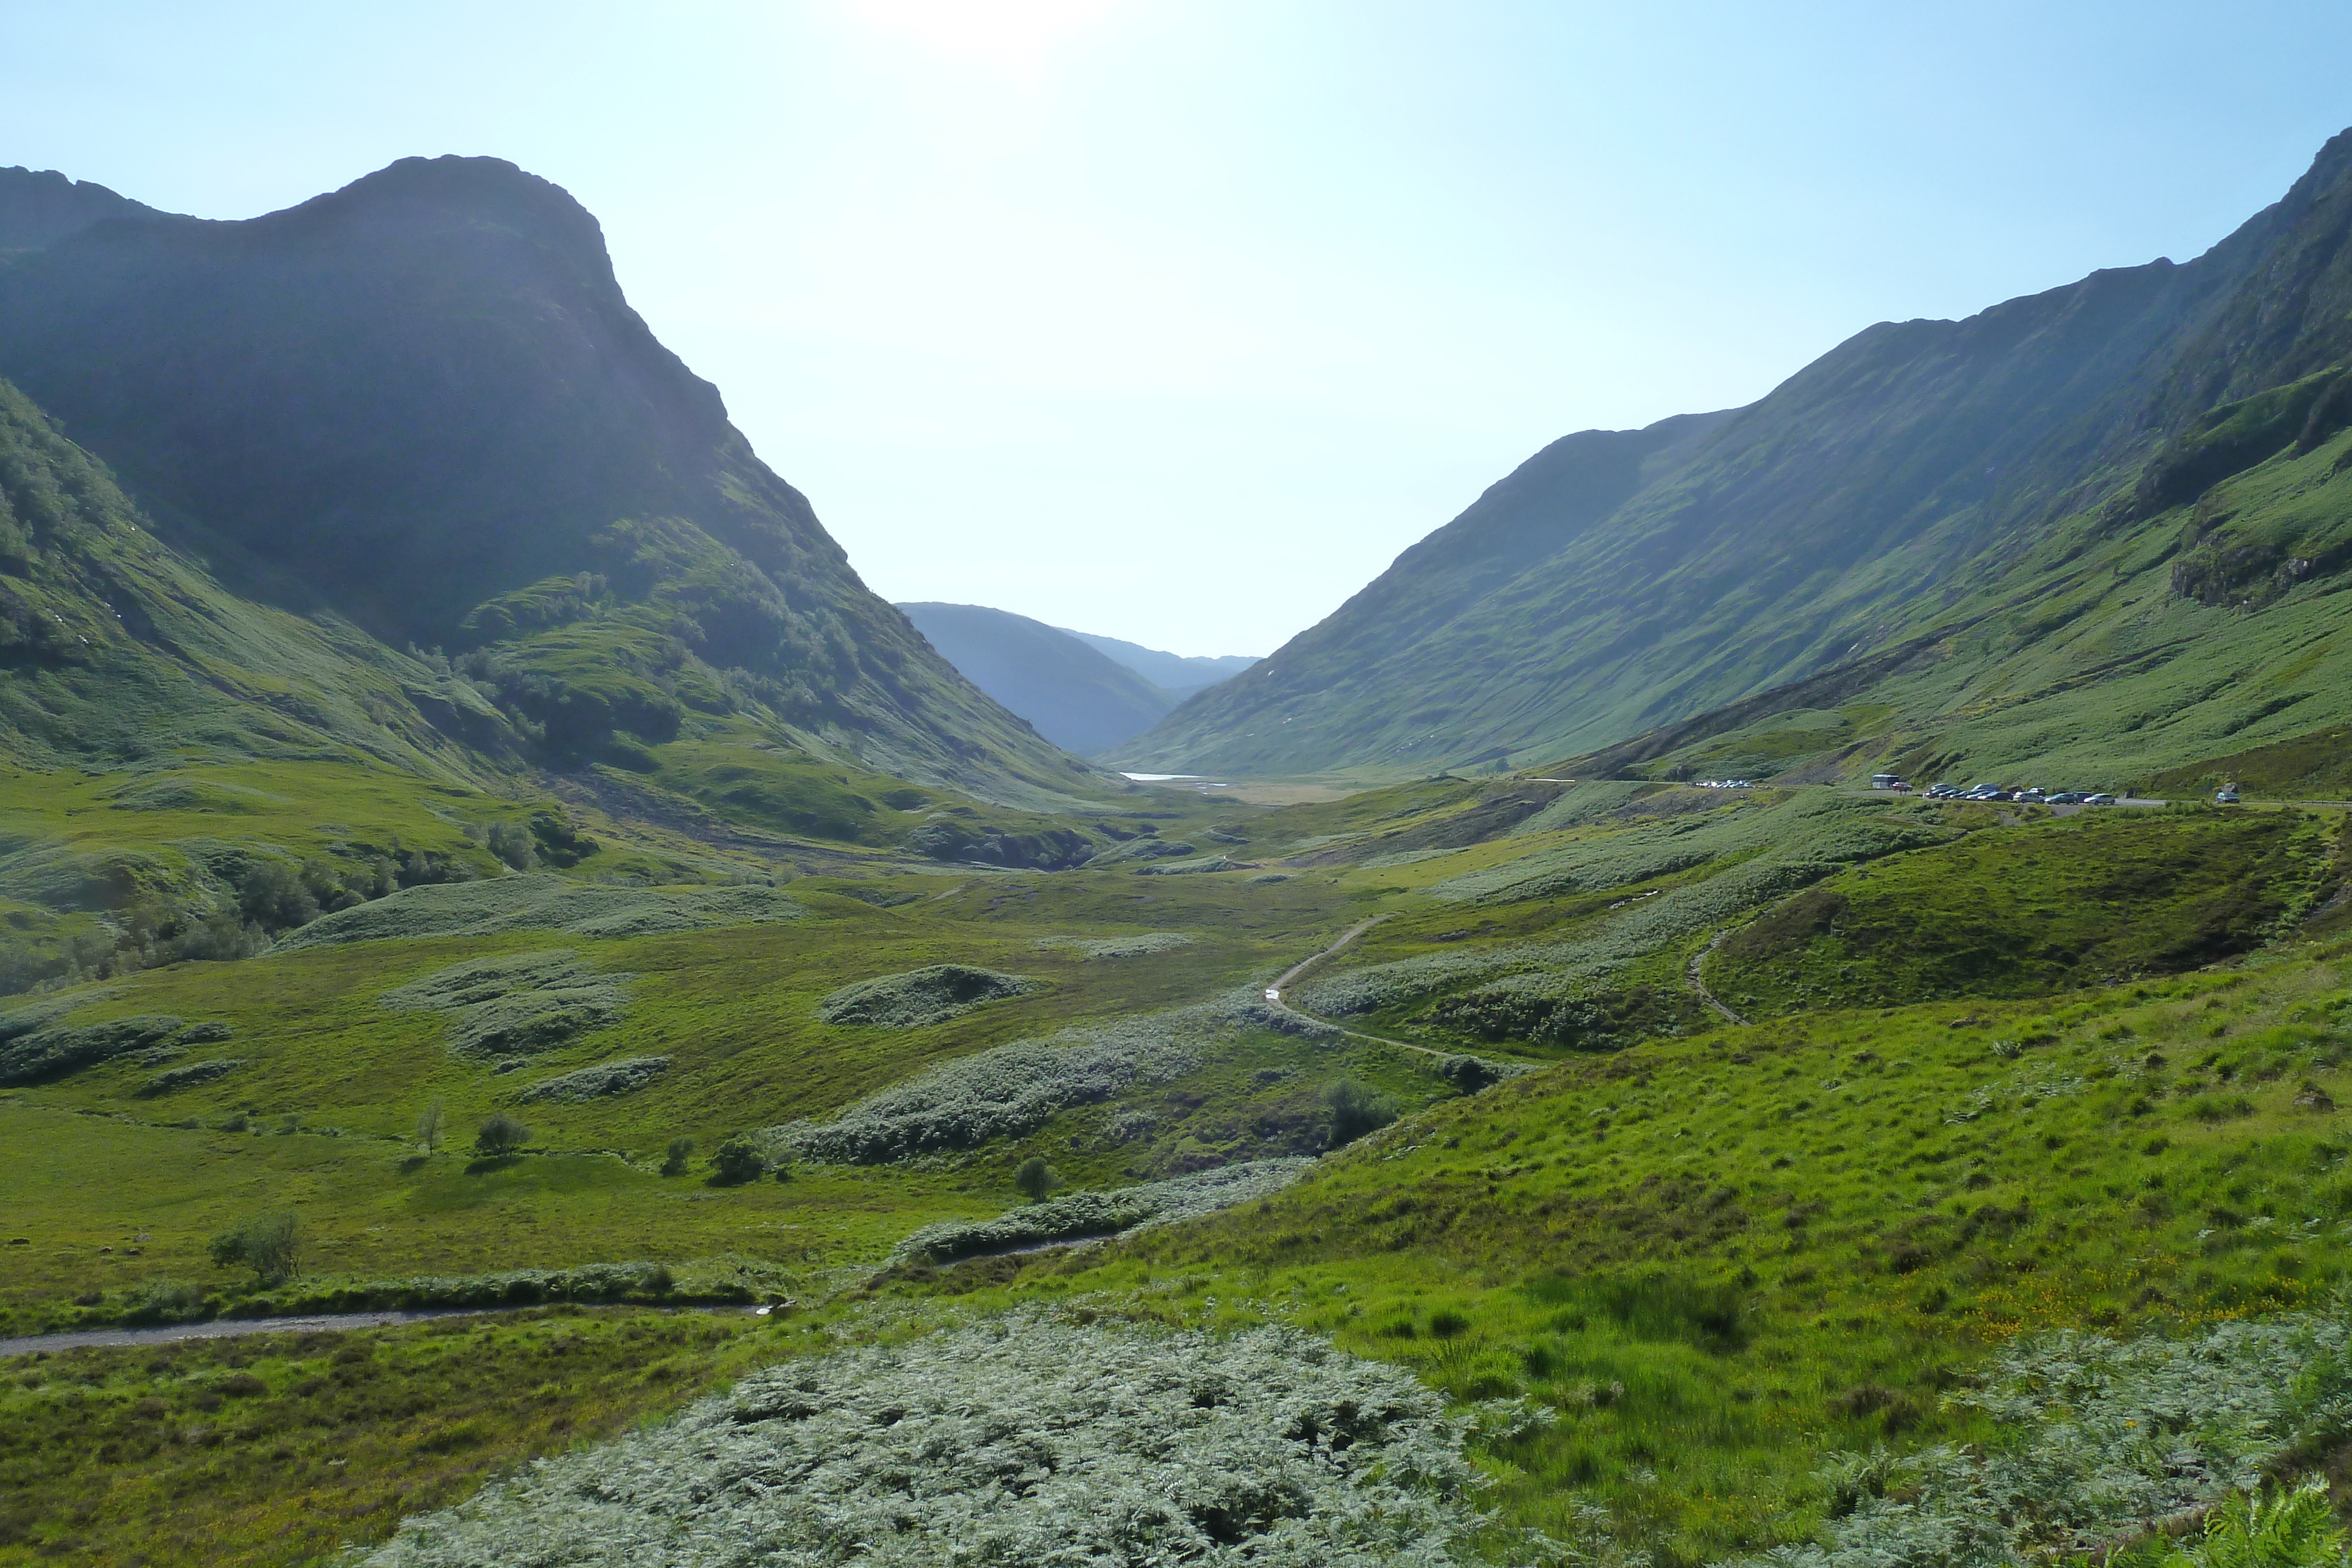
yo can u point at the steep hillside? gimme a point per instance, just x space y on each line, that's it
427 392
1179 673
1077 697
1854 510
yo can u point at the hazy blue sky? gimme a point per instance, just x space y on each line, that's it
1176 319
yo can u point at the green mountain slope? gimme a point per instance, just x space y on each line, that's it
427 393
1077 696
1912 470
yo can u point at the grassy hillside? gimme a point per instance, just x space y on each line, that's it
1986 526
1078 696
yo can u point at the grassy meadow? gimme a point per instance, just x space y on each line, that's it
1715 1255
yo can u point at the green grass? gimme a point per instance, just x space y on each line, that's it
2013 911
1721 1259
1719 1256
277 1449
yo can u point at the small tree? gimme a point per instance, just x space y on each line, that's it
739 1160
1356 1109
680 1150
510 842
1034 1178
501 1135
268 1244
428 1128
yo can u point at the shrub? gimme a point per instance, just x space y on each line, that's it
738 1160
270 1244
500 1135
1354 1110
520 1003
919 997
511 843
674 1158
1118 946
2102 1436
1025 1440
1087 1214
187 1077
541 902
165 1301
1034 1178
1007 1091
428 1126
39 1053
605 1078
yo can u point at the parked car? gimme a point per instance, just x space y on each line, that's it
1942 791
2225 797
2102 799
2064 798
2031 797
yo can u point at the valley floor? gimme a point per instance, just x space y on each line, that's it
1642 1272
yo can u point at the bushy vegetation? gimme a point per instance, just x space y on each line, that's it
2098 1437
1091 1214
1003 1092
1354 1110
605 1078
270 1244
1033 1438
1118 946
32 1050
500 1134
544 903
1034 1178
518 1005
921 996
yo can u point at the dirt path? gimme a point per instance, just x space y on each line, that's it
237 1328
1275 999
1706 995
225 1328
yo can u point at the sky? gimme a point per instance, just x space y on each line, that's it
1177 319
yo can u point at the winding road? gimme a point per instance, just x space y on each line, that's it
1275 999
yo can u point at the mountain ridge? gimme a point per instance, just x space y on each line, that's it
1865 495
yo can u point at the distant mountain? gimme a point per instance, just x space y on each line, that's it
41 208
1178 674
1922 503
425 400
1076 697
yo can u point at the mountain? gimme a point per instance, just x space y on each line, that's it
1926 496
1076 697
425 400
1178 674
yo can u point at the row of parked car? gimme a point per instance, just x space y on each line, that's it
2028 796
